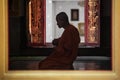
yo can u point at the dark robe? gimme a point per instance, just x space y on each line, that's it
64 53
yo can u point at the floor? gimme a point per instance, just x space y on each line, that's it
81 63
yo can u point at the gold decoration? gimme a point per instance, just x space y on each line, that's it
37 21
93 18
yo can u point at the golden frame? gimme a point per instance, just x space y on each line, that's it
114 74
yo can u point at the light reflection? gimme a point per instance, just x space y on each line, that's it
50 1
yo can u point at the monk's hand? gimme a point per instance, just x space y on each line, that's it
55 42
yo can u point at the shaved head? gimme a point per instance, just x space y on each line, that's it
62 16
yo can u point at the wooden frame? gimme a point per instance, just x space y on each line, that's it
74 14
114 74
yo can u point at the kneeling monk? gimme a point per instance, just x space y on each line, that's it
66 47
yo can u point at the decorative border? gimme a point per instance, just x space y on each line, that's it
36 22
114 74
92 21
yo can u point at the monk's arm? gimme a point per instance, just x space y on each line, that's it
55 41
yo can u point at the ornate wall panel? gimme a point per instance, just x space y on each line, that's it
36 22
92 21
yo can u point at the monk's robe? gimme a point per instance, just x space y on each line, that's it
64 53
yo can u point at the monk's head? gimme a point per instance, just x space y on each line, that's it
62 20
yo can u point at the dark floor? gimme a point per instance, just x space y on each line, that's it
81 63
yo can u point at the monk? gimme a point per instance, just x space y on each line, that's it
66 47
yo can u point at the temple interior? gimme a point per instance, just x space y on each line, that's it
23 56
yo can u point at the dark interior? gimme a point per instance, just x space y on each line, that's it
18 37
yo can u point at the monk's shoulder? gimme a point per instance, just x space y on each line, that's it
73 28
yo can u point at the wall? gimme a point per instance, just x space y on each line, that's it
53 7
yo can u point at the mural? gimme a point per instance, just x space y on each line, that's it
92 20
36 22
